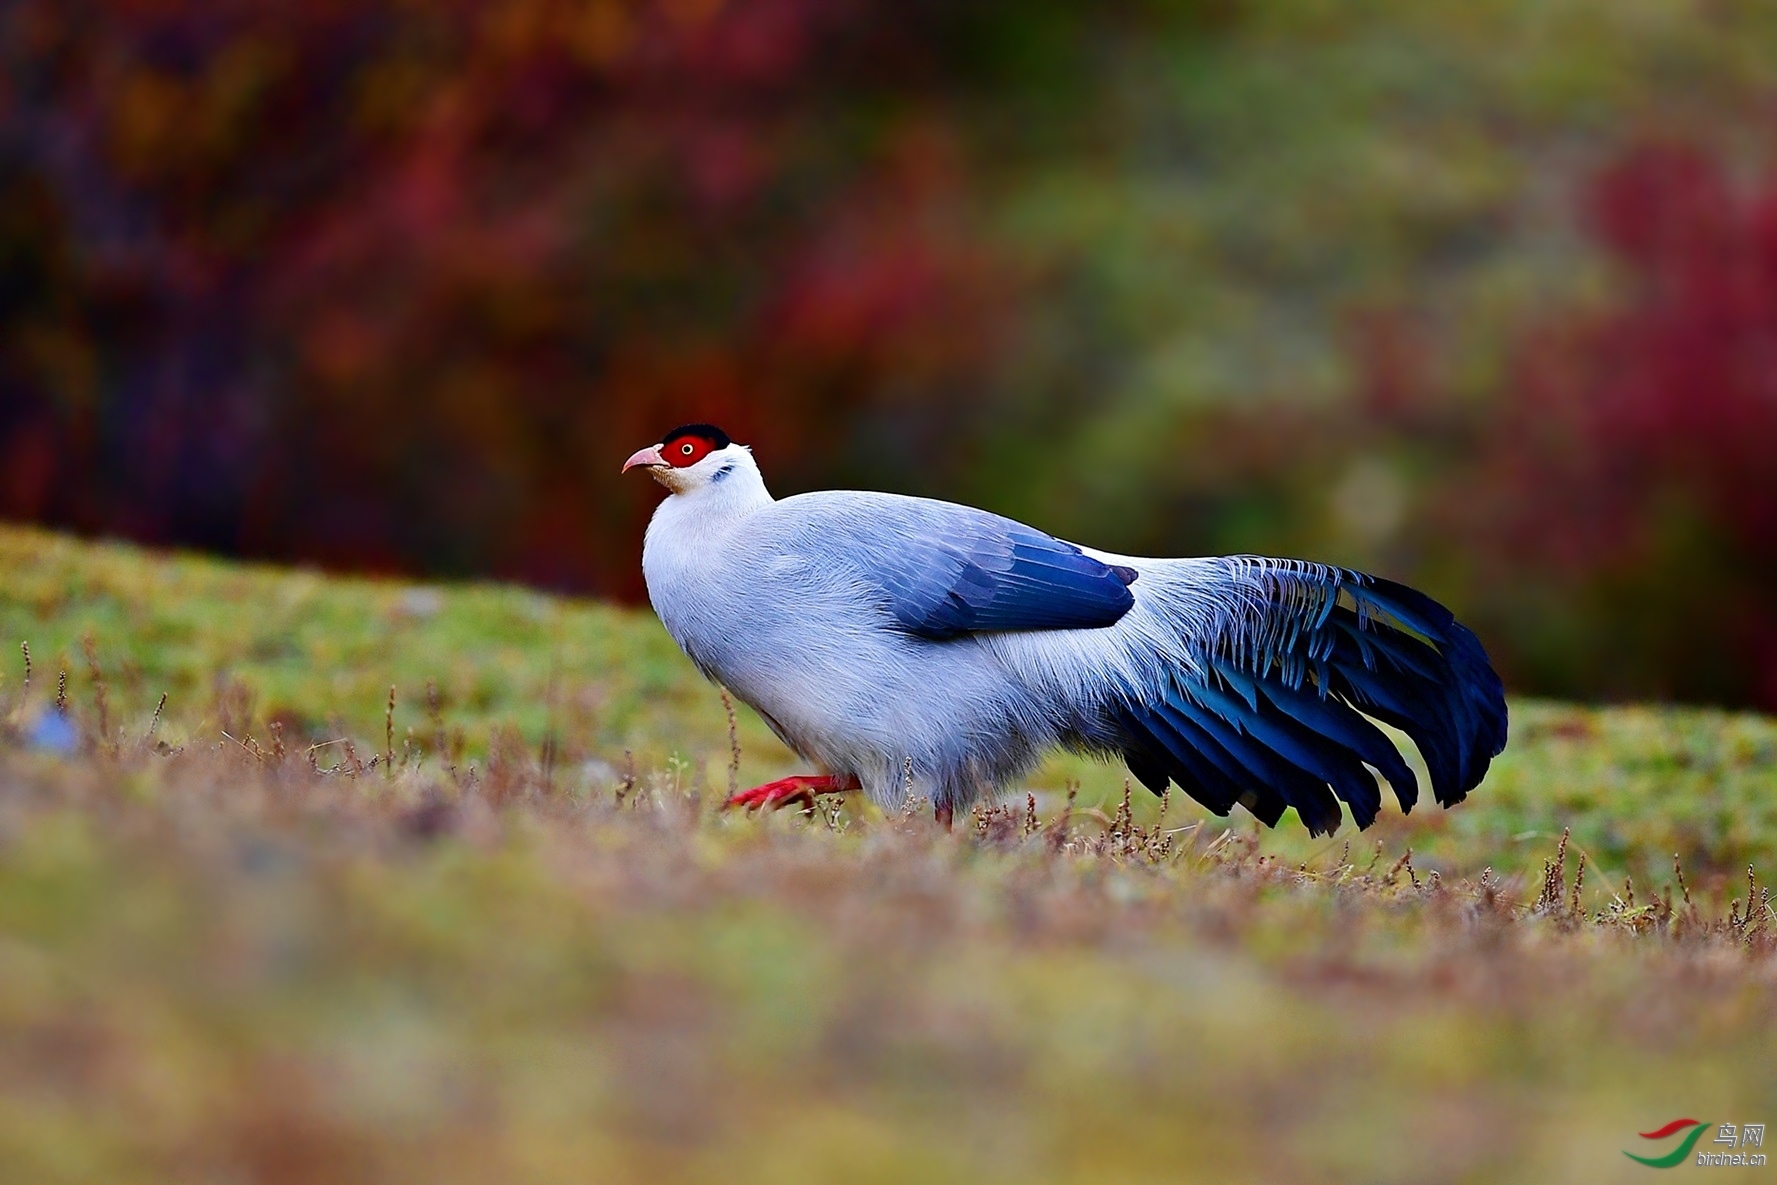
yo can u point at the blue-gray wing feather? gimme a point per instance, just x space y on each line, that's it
946 570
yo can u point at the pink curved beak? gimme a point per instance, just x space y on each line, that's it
644 456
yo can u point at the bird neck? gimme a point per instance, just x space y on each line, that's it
736 490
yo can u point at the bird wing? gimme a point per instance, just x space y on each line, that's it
946 570
1254 681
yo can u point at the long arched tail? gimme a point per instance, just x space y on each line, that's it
1283 661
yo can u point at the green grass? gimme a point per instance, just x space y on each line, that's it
320 654
221 960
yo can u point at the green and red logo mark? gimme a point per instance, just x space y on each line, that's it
1678 1154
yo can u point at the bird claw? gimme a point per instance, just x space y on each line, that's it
773 794
781 793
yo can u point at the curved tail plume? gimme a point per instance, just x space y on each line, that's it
1285 666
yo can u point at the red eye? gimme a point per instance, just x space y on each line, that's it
689 451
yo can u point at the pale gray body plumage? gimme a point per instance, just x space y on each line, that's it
774 601
801 608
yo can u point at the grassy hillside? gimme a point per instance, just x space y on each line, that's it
240 949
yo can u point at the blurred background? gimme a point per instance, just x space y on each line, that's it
1478 294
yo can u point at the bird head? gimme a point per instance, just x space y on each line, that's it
690 457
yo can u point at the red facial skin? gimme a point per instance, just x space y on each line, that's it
685 451
680 452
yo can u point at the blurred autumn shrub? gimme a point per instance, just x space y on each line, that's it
1620 516
1606 512
378 283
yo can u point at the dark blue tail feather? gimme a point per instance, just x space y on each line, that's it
1282 723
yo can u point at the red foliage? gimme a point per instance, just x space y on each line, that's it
1632 462
398 286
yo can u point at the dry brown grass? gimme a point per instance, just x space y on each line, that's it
223 963
285 925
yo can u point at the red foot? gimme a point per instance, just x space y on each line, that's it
943 815
802 788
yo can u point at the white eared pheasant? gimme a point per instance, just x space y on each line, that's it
896 641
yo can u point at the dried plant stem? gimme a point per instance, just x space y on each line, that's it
435 713
629 776
101 702
1058 828
733 745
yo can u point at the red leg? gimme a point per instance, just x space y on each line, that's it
943 814
801 788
